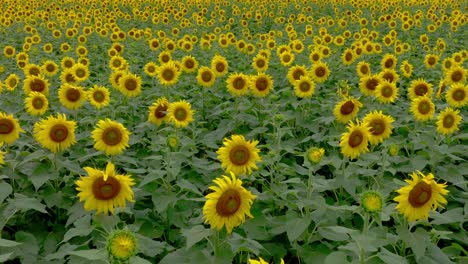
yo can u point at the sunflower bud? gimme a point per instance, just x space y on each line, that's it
122 245
371 201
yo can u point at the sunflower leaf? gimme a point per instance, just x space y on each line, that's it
196 234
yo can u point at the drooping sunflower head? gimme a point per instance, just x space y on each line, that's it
189 64
368 84
157 112
168 74
354 142
380 126
206 76
55 133
238 84
372 202
304 87
130 84
121 245
386 92
448 121
406 68
228 204
219 65
261 84
98 96
9 128
418 88
420 196
457 95
34 83
320 72
110 136
239 155
422 108
180 113
347 109
36 103
71 96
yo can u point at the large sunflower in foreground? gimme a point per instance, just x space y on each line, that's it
228 204
238 84
104 191
157 112
421 195
380 126
110 137
180 113
422 108
347 109
36 103
448 121
55 133
9 128
354 142
239 155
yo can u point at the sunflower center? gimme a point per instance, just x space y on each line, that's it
116 63
69 78
372 84
387 91
448 121
420 89
180 114
50 68
168 74
206 76
389 76
112 136
456 76
377 127
6 126
72 95
364 70
389 63
131 84
304 87
287 58
320 72
37 103
58 133
355 139
228 203
160 111
238 83
12 82
297 74
431 61
220 67
106 190
261 84
260 63
424 108
420 194
239 155
68 64
98 96
348 56
37 86
189 64
459 95
347 108
81 73
165 58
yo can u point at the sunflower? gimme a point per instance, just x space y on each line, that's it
157 112
71 96
114 78
122 245
363 69
441 88
354 142
99 96
372 202
55 133
228 204
386 92
348 56
219 65
36 103
315 56
150 69
9 51
380 126
36 84
118 63
368 84
168 74
32 70
110 137
50 68
67 77
456 96
422 108
286 58
347 109
421 195
315 154
80 72
261 84
431 60
304 87
457 74
389 75
295 73
238 84
418 88
320 72
104 191
11 82
239 155
9 128
206 76
180 113
259 261
260 63
448 121
164 57
389 61
67 62
189 64
130 84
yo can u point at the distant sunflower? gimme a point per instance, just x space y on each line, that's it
421 195
189 64
431 60
206 76
380 126
9 128
368 84
295 73
104 191
157 112
457 95
67 62
304 87
228 204
110 137
50 68
164 57
80 72
36 103
239 155
347 109
320 72
118 63
348 57
11 82
71 96
150 69
260 63
261 84
130 84
168 74
363 69
287 58
98 96
354 142
386 92
448 121
441 89
219 65
238 84
390 75
422 108
55 133
389 61
406 68
418 88
32 70
457 74
180 113
36 84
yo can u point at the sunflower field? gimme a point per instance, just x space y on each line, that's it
218 131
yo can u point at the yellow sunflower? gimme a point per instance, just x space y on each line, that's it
380 126
168 74
219 65
130 84
122 245
431 60
114 78
238 84
239 155
55 133
406 68
99 96
164 57
457 74
80 72
36 103
347 109
11 82
421 195
110 137
71 96
348 56
418 88
422 108
295 72
206 76
117 63
456 96
354 142
228 204
157 112
260 63
389 61
315 154
36 84
304 87
104 191
261 84
386 92
150 69
448 121
368 84
390 75
50 68
287 58
320 72
9 128
189 64
372 202
363 69
180 113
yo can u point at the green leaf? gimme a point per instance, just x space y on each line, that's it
5 190
29 249
390 258
76 232
336 257
41 174
162 201
8 243
196 234
296 226
335 233
138 260
418 242
5 257
239 243
24 203
149 247
451 216
90 254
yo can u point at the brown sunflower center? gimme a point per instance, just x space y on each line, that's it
189 64
131 84
377 127
424 107
315 57
297 74
228 203
387 91
6 126
50 68
37 86
168 74
37 103
320 72
58 133
456 76
364 69
286 58
112 136
355 139
348 56
68 64
12 82
165 58
106 190
69 78
220 67
420 194
81 73
34 71
459 95
160 111
431 61
72 95
99 96
238 83
180 114
304 87
260 63
206 76
421 89
389 63
448 121
389 76
372 84
261 84
347 108
239 155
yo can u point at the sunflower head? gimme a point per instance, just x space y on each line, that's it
110 137
180 113
189 64
315 154
239 155
261 84
55 133
157 112
98 96
354 142
380 126
130 84
304 87
36 103
238 84
448 121
168 74
72 96
9 128
372 202
347 109
422 108
122 245
457 95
